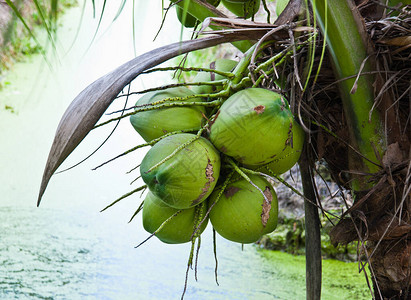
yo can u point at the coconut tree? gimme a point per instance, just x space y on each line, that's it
344 68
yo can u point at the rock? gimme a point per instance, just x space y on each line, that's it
290 233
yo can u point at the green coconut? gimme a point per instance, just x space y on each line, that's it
280 6
242 214
255 126
176 231
224 65
192 10
188 20
289 156
244 9
188 177
155 123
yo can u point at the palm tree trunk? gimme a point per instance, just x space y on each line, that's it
378 156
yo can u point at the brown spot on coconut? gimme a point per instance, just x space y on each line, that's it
265 214
253 126
210 179
231 191
184 177
259 109
237 214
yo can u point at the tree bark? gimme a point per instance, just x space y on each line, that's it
313 264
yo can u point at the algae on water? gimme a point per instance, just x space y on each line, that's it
341 280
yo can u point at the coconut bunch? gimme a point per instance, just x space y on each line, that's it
215 142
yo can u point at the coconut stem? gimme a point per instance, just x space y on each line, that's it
200 217
124 196
242 174
196 260
182 146
282 56
164 105
134 168
160 227
244 82
137 211
229 75
165 87
151 143
242 66
189 264
139 108
215 256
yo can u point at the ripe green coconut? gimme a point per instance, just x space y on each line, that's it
289 156
188 20
154 123
225 65
242 214
195 9
243 9
179 229
188 177
255 126
280 6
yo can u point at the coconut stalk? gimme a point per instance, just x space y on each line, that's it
346 37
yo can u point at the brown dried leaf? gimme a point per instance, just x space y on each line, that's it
397 41
393 155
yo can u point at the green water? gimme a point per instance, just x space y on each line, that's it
340 280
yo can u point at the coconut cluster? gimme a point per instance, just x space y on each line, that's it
209 164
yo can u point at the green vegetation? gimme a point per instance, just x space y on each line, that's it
16 41
341 280
289 237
